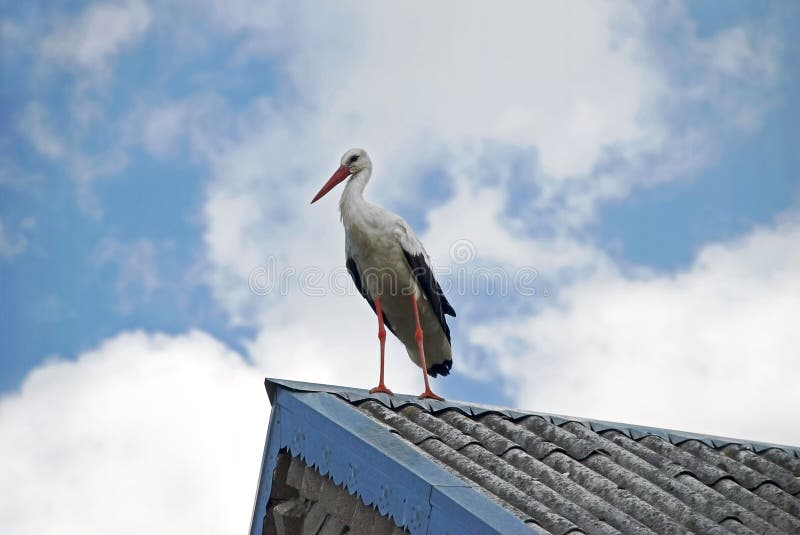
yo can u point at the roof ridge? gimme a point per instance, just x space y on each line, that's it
636 432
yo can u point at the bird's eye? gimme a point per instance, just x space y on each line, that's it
352 159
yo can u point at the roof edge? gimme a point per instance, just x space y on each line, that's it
307 423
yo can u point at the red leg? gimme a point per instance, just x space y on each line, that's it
418 336
382 337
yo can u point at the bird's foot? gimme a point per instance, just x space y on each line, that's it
381 389
428 394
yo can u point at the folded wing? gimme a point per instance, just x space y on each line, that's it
419 263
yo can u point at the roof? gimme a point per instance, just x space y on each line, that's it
452 467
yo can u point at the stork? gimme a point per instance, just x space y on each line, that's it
391 270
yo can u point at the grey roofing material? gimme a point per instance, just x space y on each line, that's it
580 476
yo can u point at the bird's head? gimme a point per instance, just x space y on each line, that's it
353 161
356 160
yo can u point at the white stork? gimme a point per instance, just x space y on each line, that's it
391 270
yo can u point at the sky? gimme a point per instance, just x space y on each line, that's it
608 192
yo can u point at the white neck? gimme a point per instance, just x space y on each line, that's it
353 194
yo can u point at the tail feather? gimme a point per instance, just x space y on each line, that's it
442 368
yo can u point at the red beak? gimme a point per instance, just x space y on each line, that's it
340 174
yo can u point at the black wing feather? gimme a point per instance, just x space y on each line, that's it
427 282
352 268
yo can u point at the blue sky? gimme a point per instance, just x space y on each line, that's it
643 159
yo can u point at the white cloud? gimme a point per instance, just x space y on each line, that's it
540 75
496 238
743 60
740 50
136 265
50 309
87 45
162 128
168 425
98 34
710 349
194 123
16 177
11 247
34 125
245 15
730 76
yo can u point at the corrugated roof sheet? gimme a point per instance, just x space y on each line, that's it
570 475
